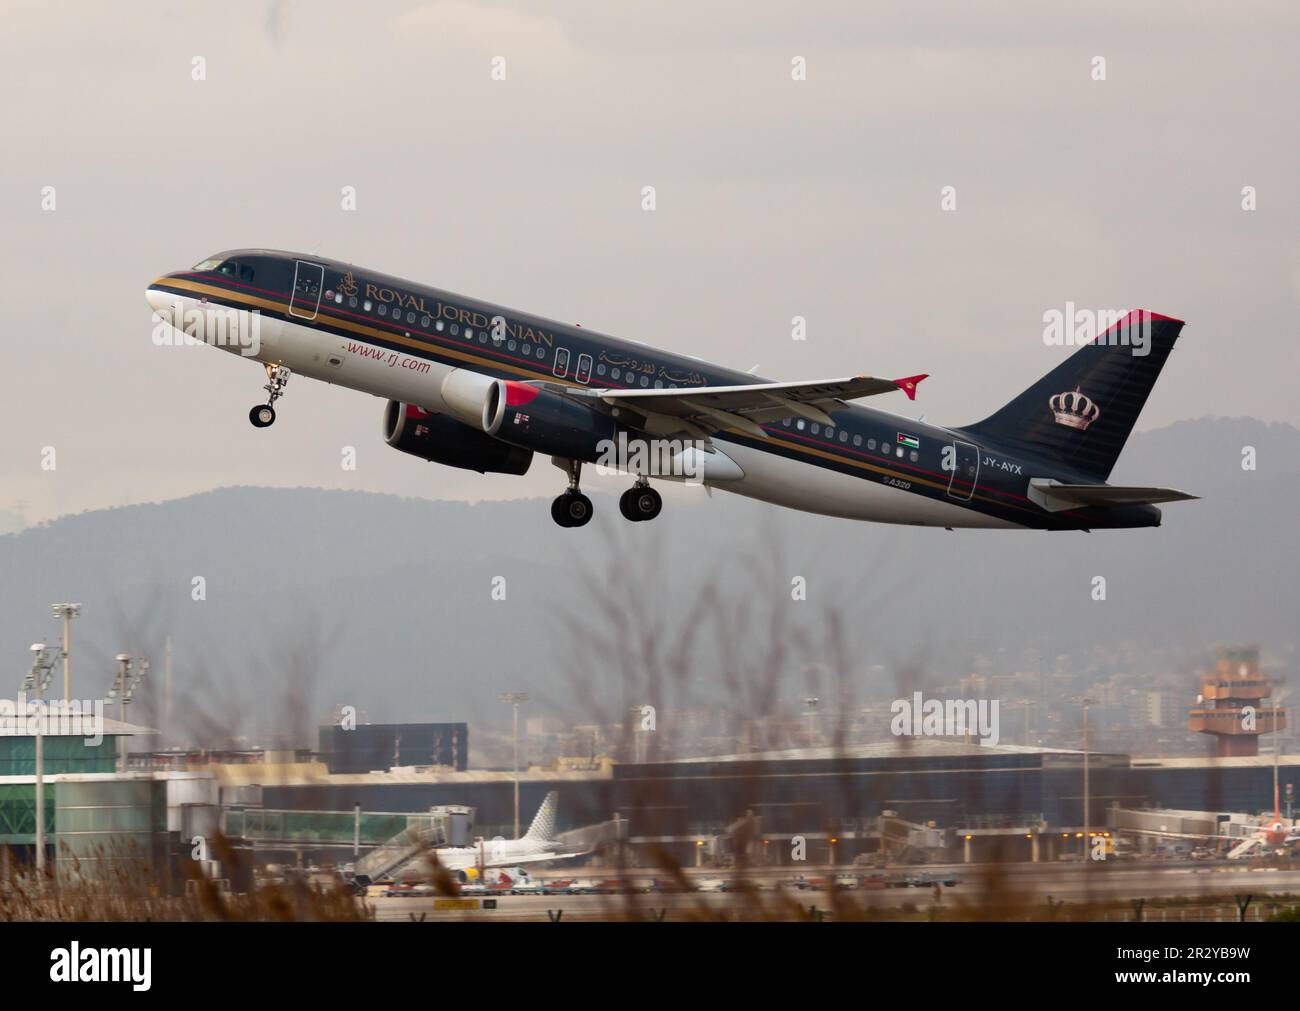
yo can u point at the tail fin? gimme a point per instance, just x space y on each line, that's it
1081 413
543 826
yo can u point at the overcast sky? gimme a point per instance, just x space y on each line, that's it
775 198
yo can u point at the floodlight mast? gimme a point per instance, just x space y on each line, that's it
67 612
38 681
515 698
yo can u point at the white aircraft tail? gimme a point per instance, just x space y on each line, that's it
543 826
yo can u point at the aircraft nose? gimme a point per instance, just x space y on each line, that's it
161 302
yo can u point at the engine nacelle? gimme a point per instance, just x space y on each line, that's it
445 440
547 422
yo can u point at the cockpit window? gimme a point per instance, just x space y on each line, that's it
234 268
208 264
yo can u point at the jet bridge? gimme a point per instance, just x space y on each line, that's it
442 826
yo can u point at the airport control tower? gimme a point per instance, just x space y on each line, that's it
1232 704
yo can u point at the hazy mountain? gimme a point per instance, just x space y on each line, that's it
317 598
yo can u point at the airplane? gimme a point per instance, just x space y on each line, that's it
1275 835
537 845
474 385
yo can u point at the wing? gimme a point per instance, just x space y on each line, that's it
1054 496
707 409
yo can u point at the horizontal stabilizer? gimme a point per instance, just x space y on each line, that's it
1054 496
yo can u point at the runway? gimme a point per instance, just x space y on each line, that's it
1016 886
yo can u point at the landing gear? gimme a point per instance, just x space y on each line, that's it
572 509
640 502
263 415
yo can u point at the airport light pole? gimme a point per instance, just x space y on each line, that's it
515 698
67 612
1087 827
124 686
38 681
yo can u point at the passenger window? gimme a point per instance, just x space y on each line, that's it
857 440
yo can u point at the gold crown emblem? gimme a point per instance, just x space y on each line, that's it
1074 410
347 284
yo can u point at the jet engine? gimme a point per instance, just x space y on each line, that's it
445 440
546 422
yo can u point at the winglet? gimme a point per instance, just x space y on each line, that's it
908 384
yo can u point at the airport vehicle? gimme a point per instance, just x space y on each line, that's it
475 385
804 883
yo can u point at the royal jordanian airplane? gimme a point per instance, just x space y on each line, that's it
478 386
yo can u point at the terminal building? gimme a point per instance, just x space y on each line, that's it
966 800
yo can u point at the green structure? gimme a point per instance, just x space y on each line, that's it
89 807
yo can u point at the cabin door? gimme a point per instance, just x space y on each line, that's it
965 460
308 280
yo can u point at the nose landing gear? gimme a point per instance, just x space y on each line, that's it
263 415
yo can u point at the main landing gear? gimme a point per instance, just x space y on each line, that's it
263 415
572 509
640 502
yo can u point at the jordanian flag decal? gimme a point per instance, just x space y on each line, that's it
910 441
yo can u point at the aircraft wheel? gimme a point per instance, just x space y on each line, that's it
572 509
625 506
262 416
577 509
641 503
